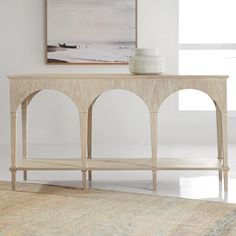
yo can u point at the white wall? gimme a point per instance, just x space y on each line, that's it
22 51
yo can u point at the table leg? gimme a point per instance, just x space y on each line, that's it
13 180
89 147
225 149
154 180
84 179
24 114
13 150
83 141
219 138
153 125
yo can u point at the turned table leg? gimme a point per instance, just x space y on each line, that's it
154 180
153 125
219 138
13 150
225 149
24 114
83 141
89 139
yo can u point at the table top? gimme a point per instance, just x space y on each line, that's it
116 76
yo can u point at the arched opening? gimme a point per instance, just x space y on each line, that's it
190 138
183 127
53 127
120 126
192 100
187 134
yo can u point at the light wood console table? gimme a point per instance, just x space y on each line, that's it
84 89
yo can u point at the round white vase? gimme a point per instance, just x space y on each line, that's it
146 61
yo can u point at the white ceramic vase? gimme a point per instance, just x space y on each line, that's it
146 61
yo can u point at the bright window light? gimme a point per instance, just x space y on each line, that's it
207 21
207 45
220 62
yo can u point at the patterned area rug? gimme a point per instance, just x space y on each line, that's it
49 210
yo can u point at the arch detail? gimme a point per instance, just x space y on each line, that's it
28 98
218 103
135 93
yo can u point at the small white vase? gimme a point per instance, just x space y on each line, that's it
146 62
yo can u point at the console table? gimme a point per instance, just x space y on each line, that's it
84 89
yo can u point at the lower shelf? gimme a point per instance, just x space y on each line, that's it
119 164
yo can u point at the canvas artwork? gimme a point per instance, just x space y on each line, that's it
91 31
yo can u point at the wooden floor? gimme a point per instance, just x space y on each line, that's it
119 164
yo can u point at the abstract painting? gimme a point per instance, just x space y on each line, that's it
91 31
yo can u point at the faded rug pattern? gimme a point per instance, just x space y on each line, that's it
43 210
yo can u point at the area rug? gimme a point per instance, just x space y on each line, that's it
45 210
